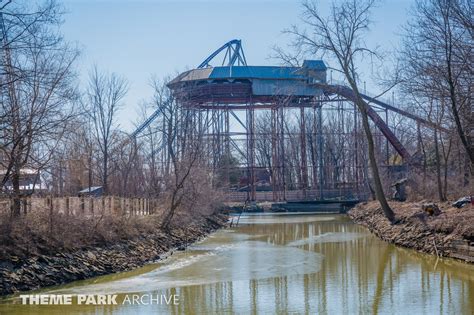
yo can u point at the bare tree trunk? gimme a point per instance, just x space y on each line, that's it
438 167
341 35
446 153
16 195
379 193
105 175
422 147
378 187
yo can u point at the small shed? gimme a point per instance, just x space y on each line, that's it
93 191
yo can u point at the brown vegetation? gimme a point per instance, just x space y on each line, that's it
46 230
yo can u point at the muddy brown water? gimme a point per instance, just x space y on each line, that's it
300 264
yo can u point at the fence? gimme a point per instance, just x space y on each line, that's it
300 195
87 206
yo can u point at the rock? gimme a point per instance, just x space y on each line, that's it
13 276
431 209
462 202
90 255
14 259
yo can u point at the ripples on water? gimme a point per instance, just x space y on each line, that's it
330 237
282 219
204 264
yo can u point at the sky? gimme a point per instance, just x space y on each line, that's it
138 39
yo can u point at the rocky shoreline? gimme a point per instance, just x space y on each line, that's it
450 234
42 271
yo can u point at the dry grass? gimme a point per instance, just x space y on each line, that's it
41 234
450 234
420 187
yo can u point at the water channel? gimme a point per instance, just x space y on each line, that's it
300 264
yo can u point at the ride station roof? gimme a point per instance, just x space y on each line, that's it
250 72
240 83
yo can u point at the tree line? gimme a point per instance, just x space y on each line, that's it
72 136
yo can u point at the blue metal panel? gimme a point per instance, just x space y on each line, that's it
283 87
260 72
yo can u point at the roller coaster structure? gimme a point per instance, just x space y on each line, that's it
227 91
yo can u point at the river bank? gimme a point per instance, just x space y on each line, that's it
450 234
37 271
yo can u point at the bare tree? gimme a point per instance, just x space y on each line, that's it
151 149
184 173
74 160
462 14
37 95
105 94
437 56
340 35
127 176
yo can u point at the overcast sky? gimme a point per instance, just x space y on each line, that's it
138 39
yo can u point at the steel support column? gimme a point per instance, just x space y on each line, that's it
304 165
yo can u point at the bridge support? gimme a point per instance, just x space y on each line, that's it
251 176
304 165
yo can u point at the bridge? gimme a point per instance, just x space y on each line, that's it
276 162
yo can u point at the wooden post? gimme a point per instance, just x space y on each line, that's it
24 206
67 206
82 205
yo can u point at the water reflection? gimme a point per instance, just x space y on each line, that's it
305 265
